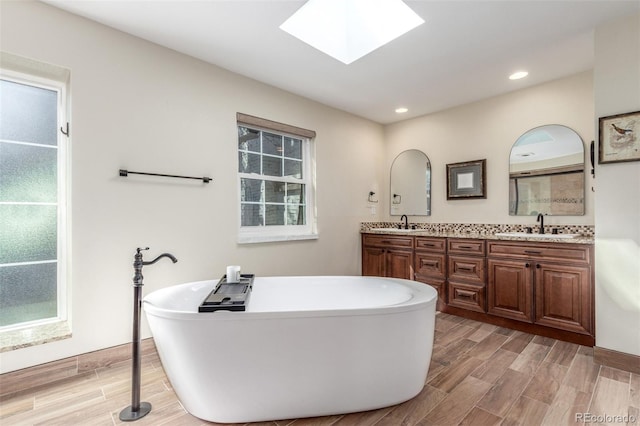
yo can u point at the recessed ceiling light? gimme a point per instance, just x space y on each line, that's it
518 75
402 110
349 29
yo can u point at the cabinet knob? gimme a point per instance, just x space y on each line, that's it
527 265
537 266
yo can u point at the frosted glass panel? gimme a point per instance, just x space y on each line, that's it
29 114
27 293
28 173
27 233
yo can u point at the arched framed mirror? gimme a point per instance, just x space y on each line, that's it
546 173
411 184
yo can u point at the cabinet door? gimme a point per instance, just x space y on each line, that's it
399 264
509 289
373 261
563 298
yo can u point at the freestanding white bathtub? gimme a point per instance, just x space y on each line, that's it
305 346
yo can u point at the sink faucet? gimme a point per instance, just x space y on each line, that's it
406 221
541 220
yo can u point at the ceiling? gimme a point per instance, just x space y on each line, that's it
464 51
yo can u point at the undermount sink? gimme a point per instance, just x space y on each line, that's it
541 236
396 230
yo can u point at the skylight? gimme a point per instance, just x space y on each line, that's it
349 29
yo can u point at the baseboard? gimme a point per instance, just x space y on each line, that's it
619 360
64 369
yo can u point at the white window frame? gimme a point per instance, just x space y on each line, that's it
53 328
272 233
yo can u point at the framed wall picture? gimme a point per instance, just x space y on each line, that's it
466 180
619 138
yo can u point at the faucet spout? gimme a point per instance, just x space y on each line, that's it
138 263
541 220
169 255
406 221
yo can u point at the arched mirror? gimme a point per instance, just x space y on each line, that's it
546 173
411 184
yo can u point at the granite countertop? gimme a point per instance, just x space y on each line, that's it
476 235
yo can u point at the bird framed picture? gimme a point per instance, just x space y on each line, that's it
619 138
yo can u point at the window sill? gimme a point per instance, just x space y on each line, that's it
251 239
39 334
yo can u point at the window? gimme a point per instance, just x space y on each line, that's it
32 199
275 170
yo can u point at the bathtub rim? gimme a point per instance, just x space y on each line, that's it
424 295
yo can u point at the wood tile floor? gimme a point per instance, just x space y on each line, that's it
480 374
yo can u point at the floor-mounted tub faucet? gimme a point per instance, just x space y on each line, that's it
541 220
138 409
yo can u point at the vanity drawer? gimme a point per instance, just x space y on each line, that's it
387 241
430 264
543 251
468 269
467 296
431 244
465 246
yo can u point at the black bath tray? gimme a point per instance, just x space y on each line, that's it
229 296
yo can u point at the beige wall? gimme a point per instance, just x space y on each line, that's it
136 105
487 129
617 91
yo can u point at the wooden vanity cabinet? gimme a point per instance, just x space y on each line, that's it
387 256
547 284
430 265
466 274
544 288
